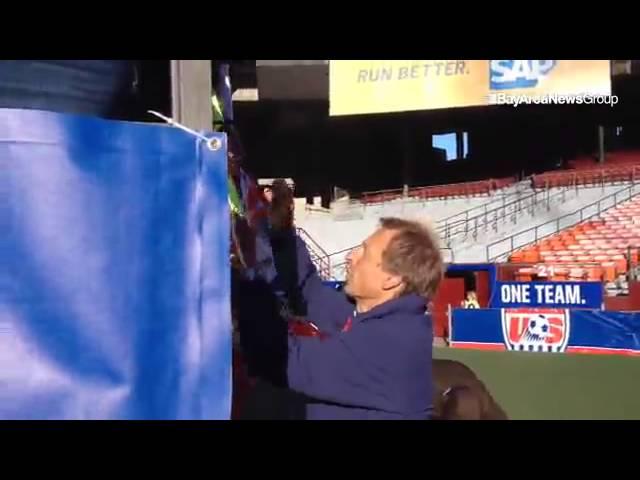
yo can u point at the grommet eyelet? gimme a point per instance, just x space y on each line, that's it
214 144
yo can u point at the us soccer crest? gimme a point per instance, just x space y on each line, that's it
535 329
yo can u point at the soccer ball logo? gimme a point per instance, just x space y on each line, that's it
538 328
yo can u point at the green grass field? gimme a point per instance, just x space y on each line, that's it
532 386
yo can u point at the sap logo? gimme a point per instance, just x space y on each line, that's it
507 74
536 330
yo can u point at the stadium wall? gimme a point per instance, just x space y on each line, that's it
627 303
547 330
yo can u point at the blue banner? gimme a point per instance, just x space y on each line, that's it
115 286
588 295
546 330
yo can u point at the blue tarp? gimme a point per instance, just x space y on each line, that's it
115 284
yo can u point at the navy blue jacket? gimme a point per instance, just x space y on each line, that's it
379 369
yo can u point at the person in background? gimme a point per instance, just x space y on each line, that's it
282 237
269 310
267 192
471 300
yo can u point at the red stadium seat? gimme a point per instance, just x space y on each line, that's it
609 271
595 274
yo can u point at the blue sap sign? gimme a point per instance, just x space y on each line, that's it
508 74
548 294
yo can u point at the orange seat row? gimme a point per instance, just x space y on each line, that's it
606 272
597 249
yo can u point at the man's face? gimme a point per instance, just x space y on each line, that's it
268 194
365 276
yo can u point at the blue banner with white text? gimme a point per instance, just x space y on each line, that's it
587 295
548 330
115 288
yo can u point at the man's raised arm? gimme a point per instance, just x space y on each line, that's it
327 308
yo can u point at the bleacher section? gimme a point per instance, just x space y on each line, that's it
487 220
455 190
592 176
620 158
503 231
619 167
604 248
338 234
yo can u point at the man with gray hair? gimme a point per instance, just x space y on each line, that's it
372 356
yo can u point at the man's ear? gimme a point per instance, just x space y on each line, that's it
391 282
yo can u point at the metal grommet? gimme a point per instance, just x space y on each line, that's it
214 144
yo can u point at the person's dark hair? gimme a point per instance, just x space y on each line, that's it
413 254
460 395
281 209
280 185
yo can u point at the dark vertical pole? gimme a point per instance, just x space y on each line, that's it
459 144
601 144
407 153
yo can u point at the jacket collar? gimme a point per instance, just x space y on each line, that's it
406 304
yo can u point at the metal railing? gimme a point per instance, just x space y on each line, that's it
489 217
499 199
534 234
319 257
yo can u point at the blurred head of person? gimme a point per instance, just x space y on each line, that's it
267 193
282 207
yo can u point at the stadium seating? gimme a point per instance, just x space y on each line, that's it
599 249
620 158
608 175
619 167
466 189
360 215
